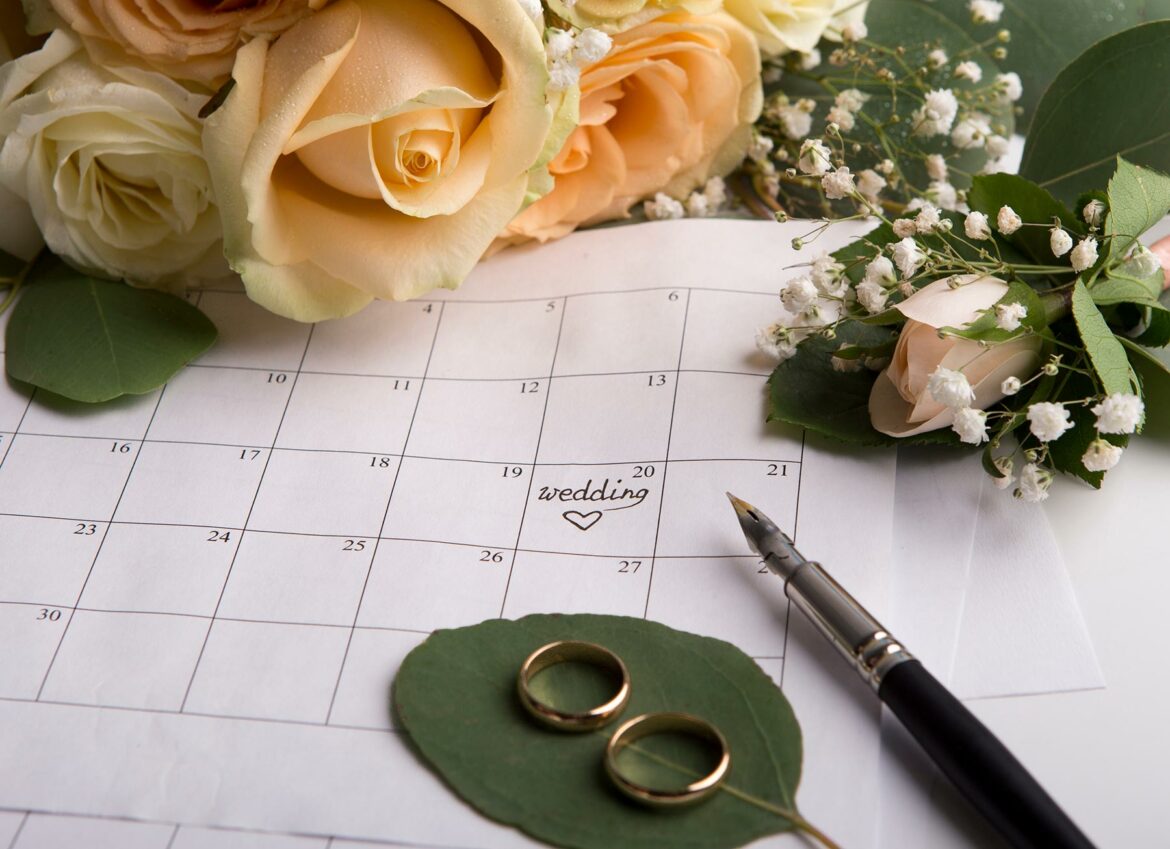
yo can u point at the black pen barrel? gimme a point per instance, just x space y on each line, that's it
978 764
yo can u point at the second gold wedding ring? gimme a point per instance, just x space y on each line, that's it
574 651
649 724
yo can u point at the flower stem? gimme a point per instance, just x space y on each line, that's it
815 833
18 281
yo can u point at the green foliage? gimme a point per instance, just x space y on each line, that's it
1066 452
1138 199
1107 355
1101 106
456 696
1048 34
1033 204
92 340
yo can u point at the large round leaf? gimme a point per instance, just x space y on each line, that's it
456 696
1106 103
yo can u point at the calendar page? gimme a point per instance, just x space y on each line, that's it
205 592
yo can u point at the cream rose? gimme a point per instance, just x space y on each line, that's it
616 15
111 164
899 404
376 149
785 25
670 106
193 40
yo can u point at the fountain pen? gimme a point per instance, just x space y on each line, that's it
978 764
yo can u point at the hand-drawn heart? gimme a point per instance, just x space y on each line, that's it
582 521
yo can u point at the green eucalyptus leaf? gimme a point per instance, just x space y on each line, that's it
1032 203
92 340
1120 287
1098 108
1105 353
456 697
1048 34
1138 199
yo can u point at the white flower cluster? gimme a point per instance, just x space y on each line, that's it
701 203
811 302
569 52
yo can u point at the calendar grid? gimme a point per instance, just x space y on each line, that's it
666 457
535 453
244 529
16 430
795 526
385 513
97 553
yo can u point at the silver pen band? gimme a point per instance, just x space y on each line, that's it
859 637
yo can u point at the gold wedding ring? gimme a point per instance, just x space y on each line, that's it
649 724
566 651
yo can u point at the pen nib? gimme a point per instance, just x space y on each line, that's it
766 539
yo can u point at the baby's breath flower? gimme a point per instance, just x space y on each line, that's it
1009 86
563 75
715 190
828 275
1119 413
697 205
971 425
1009 316
810 60
854 31
886 166
872 296
936 167
663 208
936 116
950 388
1007 222
1084 255
1094 213
1048 421
943 194
870 183
842 119
814 158
937 57
904 227
969 71
535 10
760 147
927 219
798 293
1034 483
558 44
1010 385
985 11
1060 241
852 99
908 256
1004 464
971 132
776 341
997 146
1101 456
796 122
881 271
591 46
976 226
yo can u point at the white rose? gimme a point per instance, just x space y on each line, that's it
795 25
111 164
900 403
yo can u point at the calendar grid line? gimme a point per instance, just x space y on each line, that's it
795 523
19 829
174 834
517 379
385 514
666 461
591 293
243 530
401 456
26 813
19 422
535 454
97 552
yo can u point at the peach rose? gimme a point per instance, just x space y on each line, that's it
616 15
194 40
671 105
376 149
899 404
784 25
